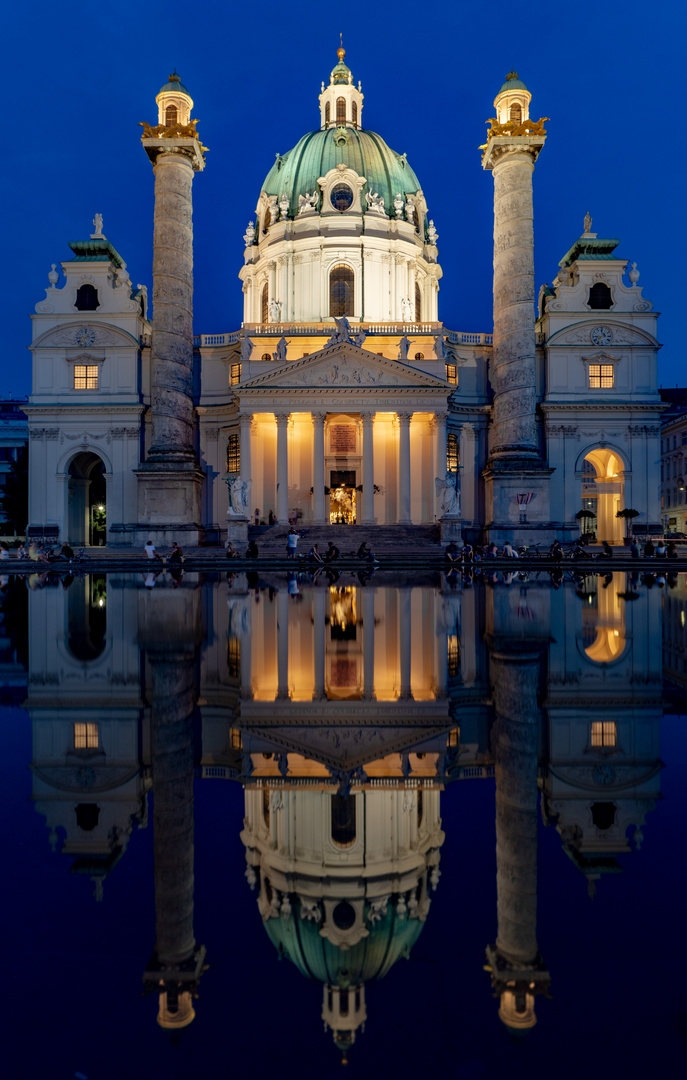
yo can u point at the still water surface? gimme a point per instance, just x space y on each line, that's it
412 824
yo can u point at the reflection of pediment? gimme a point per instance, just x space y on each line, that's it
344 367
85 779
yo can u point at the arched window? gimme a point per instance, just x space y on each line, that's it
600 297
327 113
516 113
343 820
341 110
266 807
264 314
268 220
341 284
170 116
86 298
87 815
418 303
416 219
354 113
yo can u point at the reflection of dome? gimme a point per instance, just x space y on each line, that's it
365 152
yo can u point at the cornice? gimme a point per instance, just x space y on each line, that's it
99 412
580 408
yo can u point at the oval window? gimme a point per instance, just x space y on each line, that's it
341 197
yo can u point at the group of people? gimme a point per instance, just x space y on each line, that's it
468 553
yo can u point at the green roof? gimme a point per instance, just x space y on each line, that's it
513 82
389 939
319 151
96 251
591 249
174 85
340 73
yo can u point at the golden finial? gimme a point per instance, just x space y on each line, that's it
341 52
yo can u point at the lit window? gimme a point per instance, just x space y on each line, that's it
452 374
170 116
85 736
327 113
85 377
233 454
516 113
419 356
341 282
236 740
341 110
452 452
453 655
603 733
354 113
235 374
418 303
234 658
600 376
453 740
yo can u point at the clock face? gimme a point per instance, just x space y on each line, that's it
84 336
601 335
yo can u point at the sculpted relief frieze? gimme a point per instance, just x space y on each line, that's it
339 375
84 336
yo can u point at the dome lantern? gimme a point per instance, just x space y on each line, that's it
174 103
512 103
341 104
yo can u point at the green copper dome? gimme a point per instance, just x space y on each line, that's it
174 85
389 939
297 172
513 82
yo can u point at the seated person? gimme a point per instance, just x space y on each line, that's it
332 552
252 550
509 551
452 551
314 554
671 551
649 550
607 552
364 551
176 554
232 553
660 550
468 553
66 552
556 551
492 552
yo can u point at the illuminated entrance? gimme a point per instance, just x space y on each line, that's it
87 518
603 495
342 497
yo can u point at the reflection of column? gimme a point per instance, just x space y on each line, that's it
246 661
282 644
468 473
439 456
405 596
318 420
368 643
518 972
318 611
282 467
245 421
404 467
368 470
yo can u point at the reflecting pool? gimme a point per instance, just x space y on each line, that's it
453 808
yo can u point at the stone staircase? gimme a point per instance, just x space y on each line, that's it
397 539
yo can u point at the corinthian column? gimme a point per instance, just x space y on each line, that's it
368 517
404 467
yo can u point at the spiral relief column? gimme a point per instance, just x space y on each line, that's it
515 465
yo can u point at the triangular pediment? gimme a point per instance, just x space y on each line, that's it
344 367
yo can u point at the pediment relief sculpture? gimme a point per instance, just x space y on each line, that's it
84 335
582 335
345 365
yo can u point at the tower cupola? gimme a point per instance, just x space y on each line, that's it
341 104
512 103
174 103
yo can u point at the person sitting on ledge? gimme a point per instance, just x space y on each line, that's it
176 555
66 552
314 554
556 551
493 551
365 552
607 552
452 552
252 550
660 550
671 552
649 550
332 552
509 551
634 548
150 551
232 553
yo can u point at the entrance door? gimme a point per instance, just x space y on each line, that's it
342 497
87 520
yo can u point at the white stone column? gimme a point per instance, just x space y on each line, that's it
368 606
245 424
272 291
318 420
440 419
368 517
282 468
405 636
282 644
318 611
404 467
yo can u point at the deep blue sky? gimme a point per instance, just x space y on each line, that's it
78 78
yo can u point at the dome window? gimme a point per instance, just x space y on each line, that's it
344 918
87 298
170 116
341 110
327 113
516 113
341 290
341 197
354 114
419 356
343 825
600 297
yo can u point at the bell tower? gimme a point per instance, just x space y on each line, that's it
170 479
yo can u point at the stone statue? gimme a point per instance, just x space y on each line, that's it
432 233
280 355
143 295
375 202
398 205
249 235
123 279
403 347
246 348
307 202
359 338
342 332
98 226
54 277
274 308
377 909
406 310
633 274
448 492
587 222
284 205
239 496
440 347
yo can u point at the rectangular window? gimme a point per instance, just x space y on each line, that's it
233 454
452 374
236 740
235 374
85 736
453 740
234 657
453 656
85 377
452 452
600 376
603 733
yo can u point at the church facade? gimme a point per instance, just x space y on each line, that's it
343 398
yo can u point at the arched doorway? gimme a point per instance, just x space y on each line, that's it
87 516
603 492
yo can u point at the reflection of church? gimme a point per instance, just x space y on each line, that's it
344 740
384 417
